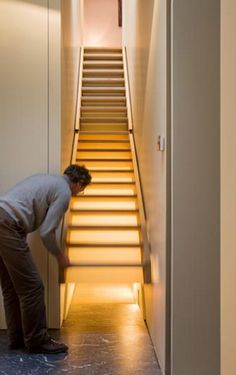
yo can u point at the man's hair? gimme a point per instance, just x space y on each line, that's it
77 173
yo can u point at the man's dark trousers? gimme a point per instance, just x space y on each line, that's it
22 287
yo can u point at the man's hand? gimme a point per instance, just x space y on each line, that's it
63 260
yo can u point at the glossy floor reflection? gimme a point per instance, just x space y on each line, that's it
103 339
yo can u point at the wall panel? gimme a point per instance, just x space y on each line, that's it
29 99
228 187
196 187
145 37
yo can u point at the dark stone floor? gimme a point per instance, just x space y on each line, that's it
103 339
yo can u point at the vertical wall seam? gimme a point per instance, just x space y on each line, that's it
48 119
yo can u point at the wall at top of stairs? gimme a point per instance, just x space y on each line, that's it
101 23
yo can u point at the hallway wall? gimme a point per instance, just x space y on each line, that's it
101 23
30 104
145 38
195 187
228 187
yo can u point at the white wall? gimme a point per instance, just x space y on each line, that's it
196 187
195 173
228 188
101 23
72 39
145 37
30 101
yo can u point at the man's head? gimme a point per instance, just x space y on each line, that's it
79 178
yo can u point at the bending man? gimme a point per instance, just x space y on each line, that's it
37 201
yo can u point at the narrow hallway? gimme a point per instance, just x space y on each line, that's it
103 338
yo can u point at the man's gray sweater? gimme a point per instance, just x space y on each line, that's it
39 201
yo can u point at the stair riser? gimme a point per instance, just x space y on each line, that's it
103 236
104 154
90 203
104 137
101 65
106 164
117 115
107 255
105 275
103 127
105 57
103 74
105 219
99 50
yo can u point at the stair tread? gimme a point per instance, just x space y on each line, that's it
103 109
103 140
74 264
104 119
102 98
103 56
106 244
103 71
75 210
103 159
103 79
106 196
112 183
126 132
102 62
95 48
104 227
104 149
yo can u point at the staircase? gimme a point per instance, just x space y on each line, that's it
104 236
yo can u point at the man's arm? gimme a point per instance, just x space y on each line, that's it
48 228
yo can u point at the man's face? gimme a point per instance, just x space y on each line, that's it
76 188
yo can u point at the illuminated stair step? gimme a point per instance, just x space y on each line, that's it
105 159
105 211
105 274
103 65
103 92
104 154
102 50
103 127
103 151
104 109
112 255
103 137
111 176
103 73
106 164
103 145
110 189
102 236
97 120
104 114
103 100
104 203
96 111
104 218
101 57
109 81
